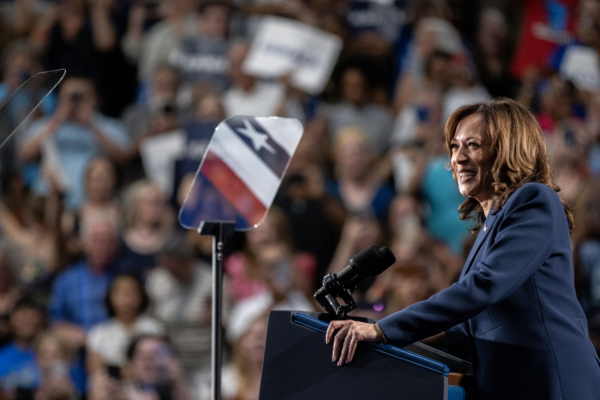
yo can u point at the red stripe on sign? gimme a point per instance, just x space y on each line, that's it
232 188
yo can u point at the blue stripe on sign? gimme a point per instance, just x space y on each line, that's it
206 203
259 140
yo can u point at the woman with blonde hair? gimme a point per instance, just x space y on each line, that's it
515 301
241 380
357 185
147 224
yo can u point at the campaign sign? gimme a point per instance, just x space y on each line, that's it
241 171
581 65
284 46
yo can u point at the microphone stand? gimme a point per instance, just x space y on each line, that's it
219 230
331 289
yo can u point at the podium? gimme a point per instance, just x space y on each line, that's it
297 365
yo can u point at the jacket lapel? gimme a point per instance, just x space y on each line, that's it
483 233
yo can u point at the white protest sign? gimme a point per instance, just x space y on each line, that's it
580 65
283 46
158 157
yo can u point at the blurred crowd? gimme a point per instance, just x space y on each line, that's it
103 295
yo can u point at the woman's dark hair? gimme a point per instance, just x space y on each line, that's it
141 290
136 340
30 304
518 149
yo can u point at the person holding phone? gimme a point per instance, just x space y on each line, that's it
70 139
155 372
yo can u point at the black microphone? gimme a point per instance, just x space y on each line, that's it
369 262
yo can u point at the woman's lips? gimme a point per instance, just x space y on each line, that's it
466 176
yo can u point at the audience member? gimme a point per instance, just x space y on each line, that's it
267 274
54 357
248 95
415 127
180 290
126 302
77 301
9 286
356 184
421 63
81 36
406 285
17 359
269 262
154 371
70 139
464 88
21 62
315 217
100 187
406 228
241 380
586 240
151 48
162 96
356 108
38 237
491 53
147 225
202 58
359 232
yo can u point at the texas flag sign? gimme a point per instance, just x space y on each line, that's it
241 171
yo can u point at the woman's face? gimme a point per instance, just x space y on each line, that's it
264 234
354 86
125 297
353 158
150 206
411 289
49 352
148 360
210 108
472 158
253 342
100 181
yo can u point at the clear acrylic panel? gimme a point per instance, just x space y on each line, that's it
241 171
26 99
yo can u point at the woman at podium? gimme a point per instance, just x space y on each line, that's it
514 303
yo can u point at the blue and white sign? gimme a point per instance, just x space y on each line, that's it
284 46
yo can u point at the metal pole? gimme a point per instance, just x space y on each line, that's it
217 313
219 230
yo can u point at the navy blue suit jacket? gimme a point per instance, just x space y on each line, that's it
515 303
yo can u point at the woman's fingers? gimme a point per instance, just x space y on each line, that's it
352 347
333 325
339 339
346 348
347 338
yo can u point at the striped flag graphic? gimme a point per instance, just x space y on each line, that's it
241 171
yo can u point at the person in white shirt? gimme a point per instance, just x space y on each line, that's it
126 302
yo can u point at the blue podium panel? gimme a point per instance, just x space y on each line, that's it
297 365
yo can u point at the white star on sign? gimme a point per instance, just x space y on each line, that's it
259 140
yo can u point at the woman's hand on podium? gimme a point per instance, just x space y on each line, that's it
349 334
